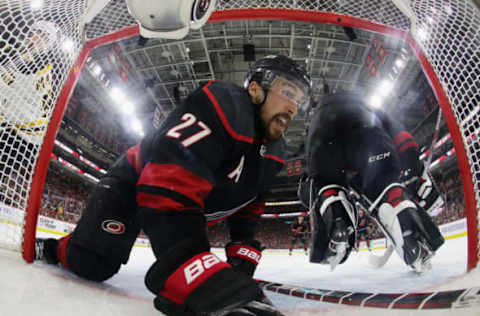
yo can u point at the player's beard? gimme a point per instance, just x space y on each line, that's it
262 128
272 133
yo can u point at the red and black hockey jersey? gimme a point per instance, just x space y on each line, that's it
205 156
363 223
298 228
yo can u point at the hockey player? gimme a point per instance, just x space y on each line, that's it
299 230
209 160
350 145
27 76
363 229
26 85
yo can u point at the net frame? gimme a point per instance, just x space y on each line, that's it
381 16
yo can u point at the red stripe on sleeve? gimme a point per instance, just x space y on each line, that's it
406 146
134 157
223 118
280 160
253 210
176 178
402 137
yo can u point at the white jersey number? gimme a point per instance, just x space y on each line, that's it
189 120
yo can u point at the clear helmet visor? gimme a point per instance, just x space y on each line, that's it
292 90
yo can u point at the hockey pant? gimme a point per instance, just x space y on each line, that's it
107 230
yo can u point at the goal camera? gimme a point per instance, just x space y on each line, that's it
170 19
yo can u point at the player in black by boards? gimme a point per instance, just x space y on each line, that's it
209 160
351 145
299 230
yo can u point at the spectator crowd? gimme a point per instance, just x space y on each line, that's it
64 196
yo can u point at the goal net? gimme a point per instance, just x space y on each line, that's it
45 43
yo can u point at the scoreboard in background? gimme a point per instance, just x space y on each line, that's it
294 167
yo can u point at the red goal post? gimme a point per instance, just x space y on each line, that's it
448 56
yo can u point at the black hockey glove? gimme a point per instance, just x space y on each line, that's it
190 281
244 256
408 153
259 307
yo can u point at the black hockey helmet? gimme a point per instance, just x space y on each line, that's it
267 69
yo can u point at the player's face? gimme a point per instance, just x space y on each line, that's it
280 107
34 39
35 44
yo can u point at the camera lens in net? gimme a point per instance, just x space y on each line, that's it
200 8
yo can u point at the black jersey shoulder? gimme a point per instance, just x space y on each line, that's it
234 108
277 150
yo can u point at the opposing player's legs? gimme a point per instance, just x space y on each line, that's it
293 241
304 243
415 236
105 234
362 236
409 227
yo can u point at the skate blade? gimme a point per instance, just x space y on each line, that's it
335 260
423 265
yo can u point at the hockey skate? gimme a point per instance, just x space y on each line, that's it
338 246
414 235
410 242
46 250
416 252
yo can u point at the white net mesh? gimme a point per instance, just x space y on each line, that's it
38 45
449 35
31 78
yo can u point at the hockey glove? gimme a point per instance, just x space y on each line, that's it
189 281
244 256
334 220
425 193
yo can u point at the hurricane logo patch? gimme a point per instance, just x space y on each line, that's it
113 227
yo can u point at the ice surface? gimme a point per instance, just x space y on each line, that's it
40 289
